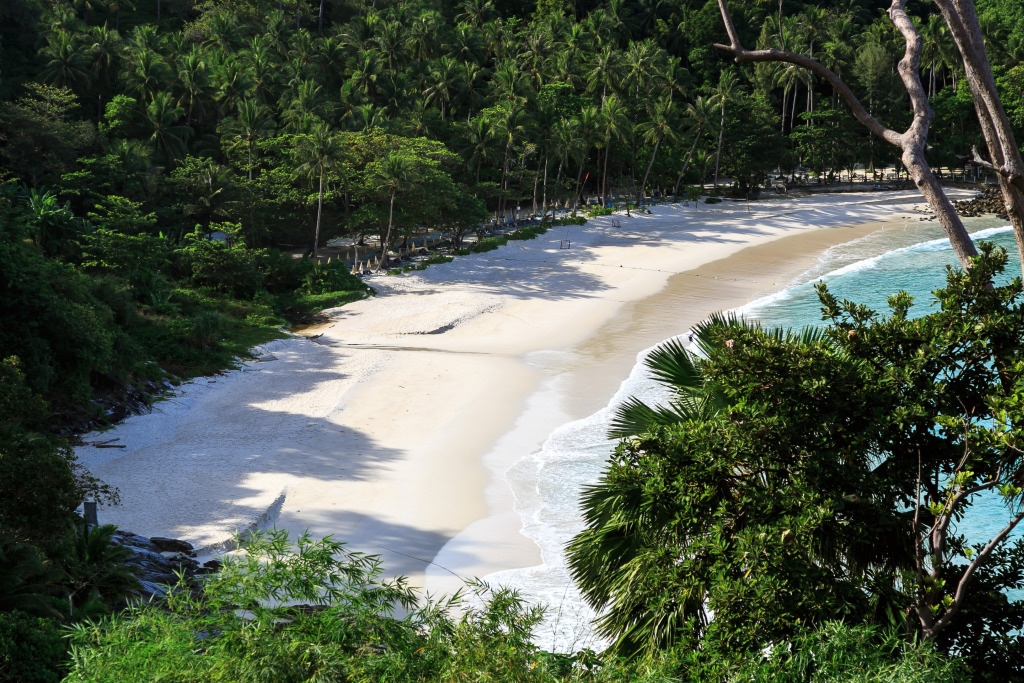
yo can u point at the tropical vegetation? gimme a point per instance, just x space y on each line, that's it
165 165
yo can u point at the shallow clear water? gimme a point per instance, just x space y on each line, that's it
548 482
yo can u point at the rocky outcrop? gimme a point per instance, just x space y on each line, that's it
158 561
989 201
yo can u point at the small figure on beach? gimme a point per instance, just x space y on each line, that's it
690 337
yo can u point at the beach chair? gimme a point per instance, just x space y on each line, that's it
616 223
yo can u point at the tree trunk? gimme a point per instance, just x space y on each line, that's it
320 23
911 142
643 184
721 132
1004 154
536 180
544 195
319 211
686 164
785 98
558 182
576 197
604 174
387 236
158 10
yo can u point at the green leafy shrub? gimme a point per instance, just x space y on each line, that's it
333 276
350 629
40 483
840 653
139 259
568 220
232 270
32 649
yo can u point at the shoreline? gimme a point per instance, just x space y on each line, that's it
393 430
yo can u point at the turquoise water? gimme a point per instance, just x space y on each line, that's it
918 268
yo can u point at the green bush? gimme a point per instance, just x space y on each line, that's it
333 276
232 270
568 220
32 649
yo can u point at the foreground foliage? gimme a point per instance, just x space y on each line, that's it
801 478
318 612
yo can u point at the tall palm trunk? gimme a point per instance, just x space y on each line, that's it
721 132
686 164
558 182
576 197
387 236
544 196
319 212
643 185
604 174
785 99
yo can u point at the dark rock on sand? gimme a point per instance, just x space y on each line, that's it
989 201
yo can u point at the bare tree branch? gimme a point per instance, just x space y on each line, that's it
912 142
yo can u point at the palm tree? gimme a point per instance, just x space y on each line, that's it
728 86
445 80
699 115
308 100
479 134
144 72
614 124
366 117
193 78
252 123
660 126
104 55
66 66
390 175
568 144
612 558
167 138
232 82
606 71
321 149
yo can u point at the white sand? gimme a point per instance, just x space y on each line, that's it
392 431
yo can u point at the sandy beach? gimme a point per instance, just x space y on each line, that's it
392 425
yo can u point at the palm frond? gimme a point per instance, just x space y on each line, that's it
671 364
634 417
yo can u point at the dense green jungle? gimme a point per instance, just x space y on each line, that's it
170 173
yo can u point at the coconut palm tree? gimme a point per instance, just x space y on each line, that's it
728 87
660 126
606 71
479 134
252 123
320 147
699 114
167 136
144 72
194 83
66 66
390 175
444 81
614 124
